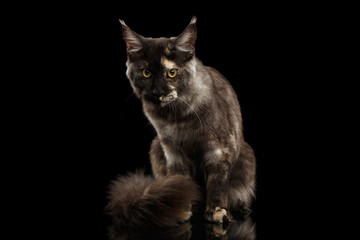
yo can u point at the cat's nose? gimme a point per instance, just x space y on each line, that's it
157 92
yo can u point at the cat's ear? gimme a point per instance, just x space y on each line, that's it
186 41
132 39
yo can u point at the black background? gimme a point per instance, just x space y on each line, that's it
91 127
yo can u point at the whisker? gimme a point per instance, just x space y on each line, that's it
193 110
173 110
129 96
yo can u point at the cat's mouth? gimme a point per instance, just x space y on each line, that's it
172 96
162 100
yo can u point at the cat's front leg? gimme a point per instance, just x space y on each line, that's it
177 162
217 187
157 158
167 160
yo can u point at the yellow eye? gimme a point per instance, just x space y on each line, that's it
172 72
146 72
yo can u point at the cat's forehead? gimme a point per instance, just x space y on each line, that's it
157 45
157 52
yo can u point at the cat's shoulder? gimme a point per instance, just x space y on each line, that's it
212 71
216 76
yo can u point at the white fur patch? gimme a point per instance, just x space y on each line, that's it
214 156
241 194
168 98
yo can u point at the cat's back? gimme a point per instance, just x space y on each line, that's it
222 87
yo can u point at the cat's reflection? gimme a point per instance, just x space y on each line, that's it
243 229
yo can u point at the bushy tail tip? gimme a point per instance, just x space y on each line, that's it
137 200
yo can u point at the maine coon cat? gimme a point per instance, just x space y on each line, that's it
199 142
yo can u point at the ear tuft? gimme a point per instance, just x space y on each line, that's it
122 22
132 39
186 41
193 20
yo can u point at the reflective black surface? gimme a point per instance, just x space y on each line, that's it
243 229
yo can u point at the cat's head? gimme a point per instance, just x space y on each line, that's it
160 69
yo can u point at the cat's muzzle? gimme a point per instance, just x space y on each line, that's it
168 98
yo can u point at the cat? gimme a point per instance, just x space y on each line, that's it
199 145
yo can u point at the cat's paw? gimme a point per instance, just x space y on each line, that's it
215 230
217 215
185 216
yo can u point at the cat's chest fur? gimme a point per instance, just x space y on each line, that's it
178 133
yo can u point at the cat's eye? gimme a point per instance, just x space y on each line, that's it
172 72
146 72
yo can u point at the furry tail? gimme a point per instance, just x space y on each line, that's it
138 200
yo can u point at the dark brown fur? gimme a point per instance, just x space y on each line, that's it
139 200
198 122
